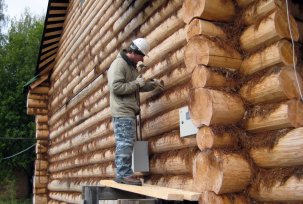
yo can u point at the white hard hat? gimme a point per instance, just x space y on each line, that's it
141 45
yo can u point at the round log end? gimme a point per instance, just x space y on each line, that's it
281 24
206 172
196 52
295 113
290 83
199 77
200 107
205 138
192 8
285 49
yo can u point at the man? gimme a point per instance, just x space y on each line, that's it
124 84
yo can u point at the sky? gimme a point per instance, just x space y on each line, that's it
14 8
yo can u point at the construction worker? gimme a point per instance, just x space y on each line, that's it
124 84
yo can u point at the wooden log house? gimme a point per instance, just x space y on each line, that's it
231 62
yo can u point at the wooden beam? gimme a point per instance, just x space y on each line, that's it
51 41
57 12
56 25
55 4
51 58
50 47
48 34
148 190
38 81
48 54
51 19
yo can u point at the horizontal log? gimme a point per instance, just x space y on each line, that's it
165 29
179 76
160 16
270 30
284 115
165 103
40 181
42 134
288 191
39 90
41 119
40 198
37 96
107 141
100 131
211 197
39 191
202 27
216 171
210 52
167 65
204 77
96 170
277 54
208 138
161 124
66 197
215 10
173 162
170 141
170 44
259 10
41 165
209 107
286 151
41 126
275 87
37 111
100 156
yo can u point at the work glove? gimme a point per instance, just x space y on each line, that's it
140 81
158 83
140 66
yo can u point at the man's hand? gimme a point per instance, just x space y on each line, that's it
140 81
141 66
158 83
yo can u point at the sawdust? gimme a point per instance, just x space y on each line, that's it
268 178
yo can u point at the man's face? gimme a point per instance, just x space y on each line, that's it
135 57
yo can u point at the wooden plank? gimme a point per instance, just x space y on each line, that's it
188 195
39 81
49 47
59 4
48 54
62 18
56 25
57 12
148 190
48 34
51 41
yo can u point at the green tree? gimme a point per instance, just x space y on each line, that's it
18 58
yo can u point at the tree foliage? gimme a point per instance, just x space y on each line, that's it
18 57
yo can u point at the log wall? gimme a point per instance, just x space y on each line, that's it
233 71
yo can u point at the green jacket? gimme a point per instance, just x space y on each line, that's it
124 92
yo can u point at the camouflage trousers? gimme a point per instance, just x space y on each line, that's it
125 133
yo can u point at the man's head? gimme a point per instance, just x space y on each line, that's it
138 49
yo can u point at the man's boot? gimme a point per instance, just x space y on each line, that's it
131 180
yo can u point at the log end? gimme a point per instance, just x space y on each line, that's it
199 77
295 113
281 24
196 52
206 172
291 83
192 9
200 107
